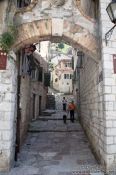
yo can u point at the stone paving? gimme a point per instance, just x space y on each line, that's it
55 148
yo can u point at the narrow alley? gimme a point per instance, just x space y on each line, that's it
55 148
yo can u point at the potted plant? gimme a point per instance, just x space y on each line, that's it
7 39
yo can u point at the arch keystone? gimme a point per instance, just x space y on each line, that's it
57 27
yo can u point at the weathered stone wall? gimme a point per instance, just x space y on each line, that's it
45 22
38 89
25 90
98 98
28 88
91 101
109 88
89 7
3 8
8 113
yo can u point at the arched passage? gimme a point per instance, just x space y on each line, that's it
78 37
51 29
77 34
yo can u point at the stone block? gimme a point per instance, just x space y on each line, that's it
5 145
10 97
115 140
114 89
57 27
108 73
6 125
109 97
110 115
114 124
108 106
7 106
114 106
111 131
7 135
109 123
111 149
109 140
107 89
109 81
108 65
9 116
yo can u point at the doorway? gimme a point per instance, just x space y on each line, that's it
33 111
40 100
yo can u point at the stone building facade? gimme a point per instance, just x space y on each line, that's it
70 22
32 93
62 74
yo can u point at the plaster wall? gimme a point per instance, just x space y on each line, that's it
65 85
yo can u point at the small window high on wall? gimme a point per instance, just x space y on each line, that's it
23 3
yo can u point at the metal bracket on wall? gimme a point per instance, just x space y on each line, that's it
108 34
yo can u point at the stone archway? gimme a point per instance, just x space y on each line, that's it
50 29
45 20
40 23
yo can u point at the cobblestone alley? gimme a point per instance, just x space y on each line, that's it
55 148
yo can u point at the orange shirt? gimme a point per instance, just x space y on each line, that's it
71 106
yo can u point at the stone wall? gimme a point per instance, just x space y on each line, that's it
38 89
91 103
90 8
8 113
25 90
109 88
3 8
30 92
45 22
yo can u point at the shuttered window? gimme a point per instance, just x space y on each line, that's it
40 76
23 3
114 63
46 79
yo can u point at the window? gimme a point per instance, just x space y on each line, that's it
56 79
70 76
34 74
68 64
47 79
66 76
40 76
23 3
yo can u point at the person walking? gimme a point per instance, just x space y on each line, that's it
71 109
64 103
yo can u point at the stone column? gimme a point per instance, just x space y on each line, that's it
8 94
109 80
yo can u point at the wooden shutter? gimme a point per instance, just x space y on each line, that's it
40 76
47 79
114 63
3 60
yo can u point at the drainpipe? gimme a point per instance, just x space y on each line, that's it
17 142
79 96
